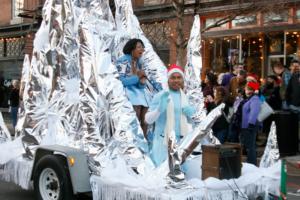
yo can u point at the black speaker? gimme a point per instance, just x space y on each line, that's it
221 161
287 132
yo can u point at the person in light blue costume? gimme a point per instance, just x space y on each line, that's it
170 111
133 78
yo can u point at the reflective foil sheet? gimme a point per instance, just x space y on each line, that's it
271 154
72 95
192 77
193 70
24 85
190 141
4 132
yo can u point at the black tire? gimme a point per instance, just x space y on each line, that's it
61 187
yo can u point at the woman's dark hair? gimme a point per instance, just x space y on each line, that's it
212 78
221 94
131 45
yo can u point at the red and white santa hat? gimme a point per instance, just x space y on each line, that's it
175 69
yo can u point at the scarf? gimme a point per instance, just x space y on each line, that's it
185 127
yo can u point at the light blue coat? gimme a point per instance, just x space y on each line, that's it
159 150
133 88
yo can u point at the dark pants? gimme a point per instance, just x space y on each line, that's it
221 135
248 140
14 115
233 134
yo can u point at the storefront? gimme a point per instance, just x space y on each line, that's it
257 41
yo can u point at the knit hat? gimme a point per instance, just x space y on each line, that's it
252 78
253 85
173 69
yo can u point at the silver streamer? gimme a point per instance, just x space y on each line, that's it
18 171
271 154
4 132
193 71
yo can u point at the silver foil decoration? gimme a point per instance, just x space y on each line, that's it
193 71
271 154
18 171
73 96
24 85
4 132
192 77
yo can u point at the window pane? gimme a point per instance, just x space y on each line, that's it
276 17
244 20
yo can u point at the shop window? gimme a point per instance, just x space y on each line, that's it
223 53
298 14
17 7
252 53
292 46
276 43
244 20
273 17
212 21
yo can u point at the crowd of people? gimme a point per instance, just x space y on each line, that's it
242 92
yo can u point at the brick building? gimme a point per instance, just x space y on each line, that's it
19 21
256 33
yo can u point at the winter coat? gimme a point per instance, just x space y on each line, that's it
250 111
293 90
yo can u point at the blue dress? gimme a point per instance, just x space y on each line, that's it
133 88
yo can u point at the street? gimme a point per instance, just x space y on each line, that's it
10 191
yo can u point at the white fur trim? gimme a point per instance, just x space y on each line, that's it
172 71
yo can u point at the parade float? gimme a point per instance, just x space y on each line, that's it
74 112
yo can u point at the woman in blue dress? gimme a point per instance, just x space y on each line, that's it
133 78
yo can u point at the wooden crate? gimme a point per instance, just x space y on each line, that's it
221 161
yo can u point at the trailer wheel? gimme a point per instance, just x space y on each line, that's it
51 179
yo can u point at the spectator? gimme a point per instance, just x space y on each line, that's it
294 66
228 76
220 127
249 125
170 111
236 84
292 95
133 78
236 120
14 101
270 90
285 76
209 83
